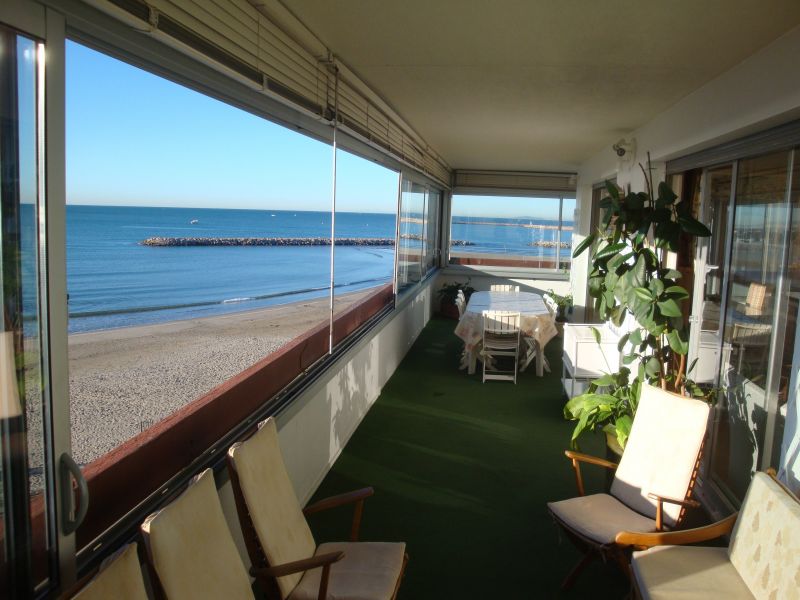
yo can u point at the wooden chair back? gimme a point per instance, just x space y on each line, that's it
276 530
499 287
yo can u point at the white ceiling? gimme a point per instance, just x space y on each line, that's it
538 84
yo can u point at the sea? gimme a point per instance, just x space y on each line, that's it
115 281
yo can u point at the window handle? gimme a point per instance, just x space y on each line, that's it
70 470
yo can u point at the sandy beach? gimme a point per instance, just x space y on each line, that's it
124 380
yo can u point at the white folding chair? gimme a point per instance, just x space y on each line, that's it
501 338
550 303
504 288
461 303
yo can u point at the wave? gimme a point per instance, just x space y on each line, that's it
184 305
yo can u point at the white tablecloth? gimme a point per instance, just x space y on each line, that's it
536 322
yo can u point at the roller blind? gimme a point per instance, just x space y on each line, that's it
238 36
465 181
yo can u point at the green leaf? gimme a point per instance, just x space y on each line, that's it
691 366
652 367
669 308
588 241
665 193
636 337
623 426
638 274
693 226
596 333
610 250
643 294
677 343
676 292
622 341
604 381
612 188
657 287
634 202
672 274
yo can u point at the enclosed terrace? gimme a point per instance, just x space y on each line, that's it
220 212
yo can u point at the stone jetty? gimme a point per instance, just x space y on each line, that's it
274 241
549 244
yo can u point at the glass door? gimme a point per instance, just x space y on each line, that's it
710 275
28 556
37 521
751 324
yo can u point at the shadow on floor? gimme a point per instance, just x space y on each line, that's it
462 471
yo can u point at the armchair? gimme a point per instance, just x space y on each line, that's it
762 559
652 484
286 559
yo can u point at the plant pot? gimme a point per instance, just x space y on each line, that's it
448 310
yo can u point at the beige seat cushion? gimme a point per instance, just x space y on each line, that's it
119 577
368 571
765 543
599 517
192 549
683 572
276 513
661 452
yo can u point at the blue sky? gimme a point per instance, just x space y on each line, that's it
135 139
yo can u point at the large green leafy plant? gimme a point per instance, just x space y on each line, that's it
629 276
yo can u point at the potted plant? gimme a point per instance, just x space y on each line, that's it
448 294
629 274
564 304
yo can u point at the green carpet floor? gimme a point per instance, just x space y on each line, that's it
462 471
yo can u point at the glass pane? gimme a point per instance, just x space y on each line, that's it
716 217
432 228
198 244
366 210
505 231
786 452
412 226
759 227
568 208
22 406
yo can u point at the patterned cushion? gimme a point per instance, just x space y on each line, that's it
765 543
670 572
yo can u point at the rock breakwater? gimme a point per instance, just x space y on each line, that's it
273 241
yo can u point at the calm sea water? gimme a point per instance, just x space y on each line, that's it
114 281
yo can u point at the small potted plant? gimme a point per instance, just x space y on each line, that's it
447 297
564 304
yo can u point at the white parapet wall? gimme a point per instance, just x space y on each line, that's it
315 427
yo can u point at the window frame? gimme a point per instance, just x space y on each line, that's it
555 274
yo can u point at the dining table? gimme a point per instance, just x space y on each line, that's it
537 323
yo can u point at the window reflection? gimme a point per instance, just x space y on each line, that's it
759 227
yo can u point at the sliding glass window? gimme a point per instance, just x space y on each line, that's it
366 215
411 247
511 231
752 324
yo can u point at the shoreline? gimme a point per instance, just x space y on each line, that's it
125 379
